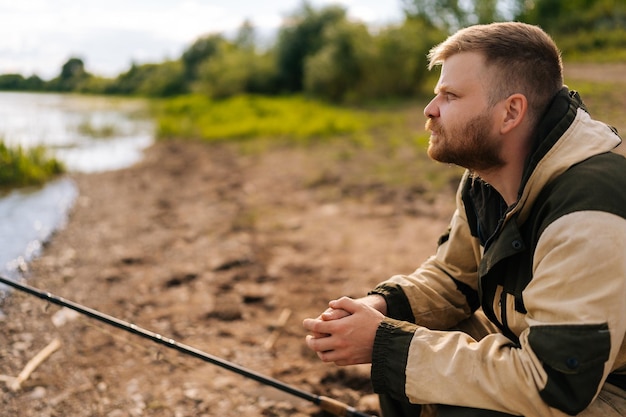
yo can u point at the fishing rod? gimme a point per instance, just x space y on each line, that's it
330 405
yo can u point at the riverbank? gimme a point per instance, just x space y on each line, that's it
210 247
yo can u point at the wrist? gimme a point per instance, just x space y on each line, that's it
377 302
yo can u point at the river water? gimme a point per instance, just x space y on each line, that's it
88 134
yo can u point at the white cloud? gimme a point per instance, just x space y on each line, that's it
38 36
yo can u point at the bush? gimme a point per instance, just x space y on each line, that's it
335 71
20 167
232 71
301 37
603 45
293 118
398 67
152 80
354 66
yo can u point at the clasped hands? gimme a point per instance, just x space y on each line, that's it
344 333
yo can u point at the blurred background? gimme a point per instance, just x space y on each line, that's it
87 86
345 51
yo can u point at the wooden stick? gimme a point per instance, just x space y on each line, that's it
280 324
30 367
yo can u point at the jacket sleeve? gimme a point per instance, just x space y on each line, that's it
443 290
576 318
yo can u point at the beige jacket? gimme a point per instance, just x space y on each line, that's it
552 279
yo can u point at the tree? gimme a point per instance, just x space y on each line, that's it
71 77
336 69
74 68
588 26
300 37
568 16
34 83
226 73
246 36
235 69
201 50
451 15
154 80
12 82
400 64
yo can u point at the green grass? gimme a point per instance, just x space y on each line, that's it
597 46
605 101
22 167
102 132
381 144
600 56
291 119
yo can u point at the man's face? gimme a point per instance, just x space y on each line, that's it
460 118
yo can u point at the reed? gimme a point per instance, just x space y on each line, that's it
22 167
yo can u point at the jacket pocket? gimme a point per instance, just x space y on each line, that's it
573 357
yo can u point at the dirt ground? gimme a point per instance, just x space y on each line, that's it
211 248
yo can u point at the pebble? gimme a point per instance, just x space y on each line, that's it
38 393
64 316
369 403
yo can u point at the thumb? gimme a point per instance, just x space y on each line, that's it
345 303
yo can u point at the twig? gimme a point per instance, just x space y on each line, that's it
16 383
278 327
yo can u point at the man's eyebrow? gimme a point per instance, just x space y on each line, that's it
441 88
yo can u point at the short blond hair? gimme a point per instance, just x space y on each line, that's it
525 58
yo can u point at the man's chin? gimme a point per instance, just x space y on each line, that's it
433 152
437 154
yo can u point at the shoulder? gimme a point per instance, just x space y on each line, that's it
595 184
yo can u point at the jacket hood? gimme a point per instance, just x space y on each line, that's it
565 136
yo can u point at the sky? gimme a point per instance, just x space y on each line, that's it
39 36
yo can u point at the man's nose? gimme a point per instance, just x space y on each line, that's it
431 110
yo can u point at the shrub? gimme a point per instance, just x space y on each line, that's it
292 118
21 167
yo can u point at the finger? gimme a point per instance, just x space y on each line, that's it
318 335
319 345
334 314
312 325
309 324
326 356
345 303
336 356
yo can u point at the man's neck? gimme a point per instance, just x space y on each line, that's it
506 179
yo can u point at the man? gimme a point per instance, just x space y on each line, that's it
522 310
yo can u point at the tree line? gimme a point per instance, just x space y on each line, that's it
322 53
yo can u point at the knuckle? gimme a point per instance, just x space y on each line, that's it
312 343
315 326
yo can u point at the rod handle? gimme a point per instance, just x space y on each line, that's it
337 408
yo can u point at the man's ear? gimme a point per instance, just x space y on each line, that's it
515 112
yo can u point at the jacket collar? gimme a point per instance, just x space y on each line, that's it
565 136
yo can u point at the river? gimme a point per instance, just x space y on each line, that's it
88 134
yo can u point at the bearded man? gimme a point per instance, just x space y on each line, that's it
522 309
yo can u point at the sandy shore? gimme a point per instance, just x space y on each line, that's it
211 247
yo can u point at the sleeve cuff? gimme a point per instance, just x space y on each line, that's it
398 306
389 357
